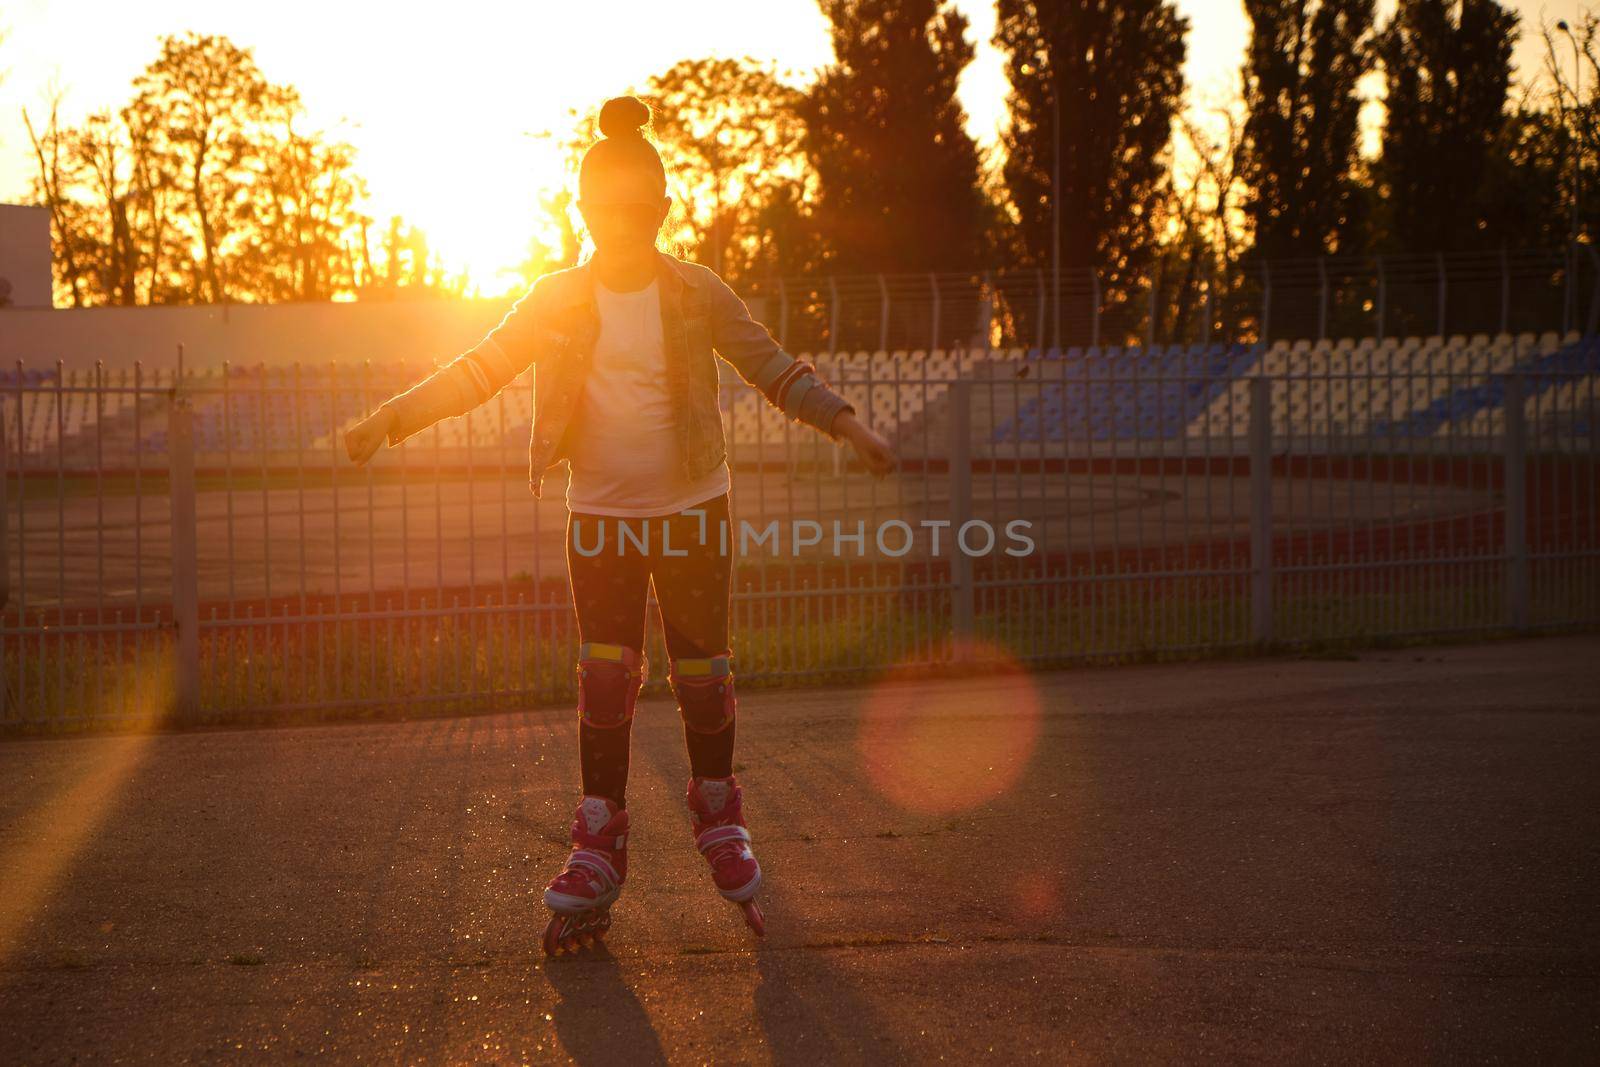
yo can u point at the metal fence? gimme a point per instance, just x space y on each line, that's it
1255 299
199 549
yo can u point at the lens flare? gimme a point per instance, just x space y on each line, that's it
949 747
47 839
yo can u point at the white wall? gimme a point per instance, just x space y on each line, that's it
275 334
25 254
418 331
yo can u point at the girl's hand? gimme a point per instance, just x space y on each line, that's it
368 435
872 449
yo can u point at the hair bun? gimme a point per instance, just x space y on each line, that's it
622 116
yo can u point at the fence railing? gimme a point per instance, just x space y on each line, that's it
1257 299
179 555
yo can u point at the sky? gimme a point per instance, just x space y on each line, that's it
446 112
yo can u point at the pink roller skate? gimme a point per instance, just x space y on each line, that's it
720 834
582 894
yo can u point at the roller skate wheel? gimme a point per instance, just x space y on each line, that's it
552 936
753 916
570 934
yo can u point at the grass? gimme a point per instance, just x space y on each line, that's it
457 664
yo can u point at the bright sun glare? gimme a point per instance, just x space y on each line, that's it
479 220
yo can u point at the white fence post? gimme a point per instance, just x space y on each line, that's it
1150 309
1038 281
1516 501
1261 509
883 315
1381 309
1094 325
986 312
1266 300
960 451
833 370
833 314
1322 298
1505 292
5 558
1568 289
1444 293
185 582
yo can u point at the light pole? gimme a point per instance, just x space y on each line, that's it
1055 210
1577 154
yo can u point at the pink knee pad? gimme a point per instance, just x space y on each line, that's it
609 680
704 688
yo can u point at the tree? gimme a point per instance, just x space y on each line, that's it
1302 69
156 202
734 146
408 268
1113 72
201 100
1447 68
1549 167
898 175
58 173
1205 227
101 151
207 187
301 211
542 258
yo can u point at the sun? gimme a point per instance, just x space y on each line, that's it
480 218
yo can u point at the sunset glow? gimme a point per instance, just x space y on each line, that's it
456 120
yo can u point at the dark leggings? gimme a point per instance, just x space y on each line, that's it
692 595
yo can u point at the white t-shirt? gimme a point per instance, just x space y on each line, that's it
624 454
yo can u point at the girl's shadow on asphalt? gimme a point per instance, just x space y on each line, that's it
597 1017
808 1011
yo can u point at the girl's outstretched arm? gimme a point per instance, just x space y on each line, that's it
474 377
791 385
874 451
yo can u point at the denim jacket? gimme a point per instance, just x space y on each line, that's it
553 328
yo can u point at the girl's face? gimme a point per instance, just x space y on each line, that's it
623 211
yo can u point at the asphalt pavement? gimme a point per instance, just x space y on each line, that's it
1390 857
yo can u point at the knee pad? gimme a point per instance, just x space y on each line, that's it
704 688
609 680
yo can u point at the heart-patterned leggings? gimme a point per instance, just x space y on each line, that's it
611 562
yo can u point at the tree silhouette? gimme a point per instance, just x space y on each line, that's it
1116 72
59 170
205 187
898 175
1550 156
733 145
1203 218
1303 123
200 99
300 211
1447 66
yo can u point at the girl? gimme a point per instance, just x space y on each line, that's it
626 392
